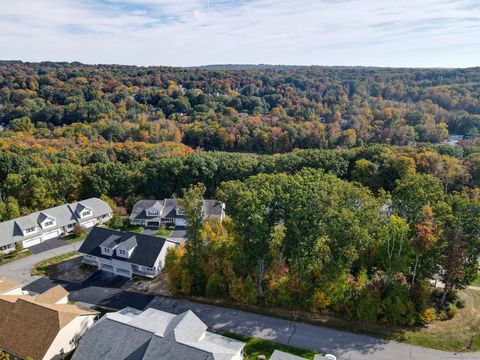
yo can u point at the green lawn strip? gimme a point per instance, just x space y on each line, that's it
255 347
135 229
15 256
71 238
45 267
164 232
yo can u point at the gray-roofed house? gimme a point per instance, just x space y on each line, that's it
154 213
50 223
155 335
125 253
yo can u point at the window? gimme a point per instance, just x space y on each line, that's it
122 252
29 230
86 213
48 223
6 247
107 250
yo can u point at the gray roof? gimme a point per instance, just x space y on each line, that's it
167 209
154 335
11 230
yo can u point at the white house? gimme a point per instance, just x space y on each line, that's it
47 224
125 253
154 213
43 327
155 335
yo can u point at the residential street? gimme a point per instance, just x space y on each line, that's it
105 290
19 270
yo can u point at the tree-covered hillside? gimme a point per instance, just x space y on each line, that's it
253 109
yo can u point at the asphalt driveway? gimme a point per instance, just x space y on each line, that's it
101 288
48 245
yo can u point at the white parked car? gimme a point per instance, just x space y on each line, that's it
330 357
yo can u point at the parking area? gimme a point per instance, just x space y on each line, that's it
47 245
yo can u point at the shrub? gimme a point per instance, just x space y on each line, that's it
215 285
18 246
320 301
368 305
116 222
428 315
79 230
452 311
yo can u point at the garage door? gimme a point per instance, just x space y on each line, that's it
153 224
88 224
181 222
106 267
123 272
31 242
51 234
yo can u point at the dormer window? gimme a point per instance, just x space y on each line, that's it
86 213
122 252
180 211
107 250
30 230
48 223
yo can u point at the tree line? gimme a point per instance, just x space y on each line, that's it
36 177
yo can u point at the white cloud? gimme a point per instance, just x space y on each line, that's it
194 32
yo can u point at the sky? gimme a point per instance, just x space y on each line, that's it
396 33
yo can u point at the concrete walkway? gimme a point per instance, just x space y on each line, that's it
19 270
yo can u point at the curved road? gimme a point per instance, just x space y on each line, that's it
347 346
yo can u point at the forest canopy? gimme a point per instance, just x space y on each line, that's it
253 109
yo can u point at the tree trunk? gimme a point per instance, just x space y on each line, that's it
446 290
417 260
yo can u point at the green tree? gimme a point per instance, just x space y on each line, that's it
192 205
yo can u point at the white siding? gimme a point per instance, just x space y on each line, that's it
68 337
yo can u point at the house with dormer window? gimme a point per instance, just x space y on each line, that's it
51 223
155 213
125 253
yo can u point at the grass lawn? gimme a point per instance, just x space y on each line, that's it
45 267
71 238
164 232
454 334
476 282
131 228
15 256
255 347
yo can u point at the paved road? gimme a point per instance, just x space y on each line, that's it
348 346
19 270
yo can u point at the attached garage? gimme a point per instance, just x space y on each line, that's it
155 224
181 222
88 224
51 234
31 242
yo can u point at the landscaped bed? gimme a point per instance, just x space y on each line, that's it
255 347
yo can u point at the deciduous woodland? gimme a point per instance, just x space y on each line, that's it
341 194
